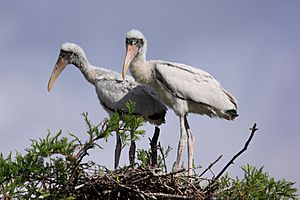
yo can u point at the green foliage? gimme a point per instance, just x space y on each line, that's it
52 167
129 128
144 156
256 184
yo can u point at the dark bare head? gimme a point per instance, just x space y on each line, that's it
136 46
70 53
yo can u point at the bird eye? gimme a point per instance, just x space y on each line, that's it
63 54
139 42
129 42
134 41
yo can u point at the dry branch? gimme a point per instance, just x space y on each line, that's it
253 130
210 165
213 186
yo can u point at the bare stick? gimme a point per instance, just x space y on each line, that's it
214 186
211 165
253 130
163 157
168 196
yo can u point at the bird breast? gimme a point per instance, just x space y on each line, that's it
142 72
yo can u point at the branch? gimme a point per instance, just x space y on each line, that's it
211 165
212 187
163 157
253 130
168 196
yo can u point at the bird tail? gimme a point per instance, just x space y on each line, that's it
232 113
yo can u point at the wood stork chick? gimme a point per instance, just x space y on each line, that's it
183 88
112 91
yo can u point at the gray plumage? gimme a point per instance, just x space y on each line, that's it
181 87
112 91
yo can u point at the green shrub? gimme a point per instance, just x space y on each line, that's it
54 168
256 184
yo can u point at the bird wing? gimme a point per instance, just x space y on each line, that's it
192 84
113 93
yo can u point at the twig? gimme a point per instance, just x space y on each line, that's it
163 157
4 194
169 196
171 173
210 165
253 130
213 186
137 191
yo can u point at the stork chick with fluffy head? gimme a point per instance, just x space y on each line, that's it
112 91
181 87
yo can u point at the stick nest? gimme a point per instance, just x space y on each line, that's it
139 183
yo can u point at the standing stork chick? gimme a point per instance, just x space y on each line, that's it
112 91
181 87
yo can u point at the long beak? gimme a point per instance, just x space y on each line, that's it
131 52
59 67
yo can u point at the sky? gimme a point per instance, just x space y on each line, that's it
251 47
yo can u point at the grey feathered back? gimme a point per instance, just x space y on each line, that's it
113 93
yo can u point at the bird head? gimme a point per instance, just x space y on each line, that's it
69 54
136 45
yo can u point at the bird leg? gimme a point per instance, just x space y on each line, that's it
153 144
181 144
191 143
132 150
118 149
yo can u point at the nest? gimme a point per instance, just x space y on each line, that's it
139 183
149 182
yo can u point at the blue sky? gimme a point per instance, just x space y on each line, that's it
251 47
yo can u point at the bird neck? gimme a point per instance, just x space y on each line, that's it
141 71
143 52
86 69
